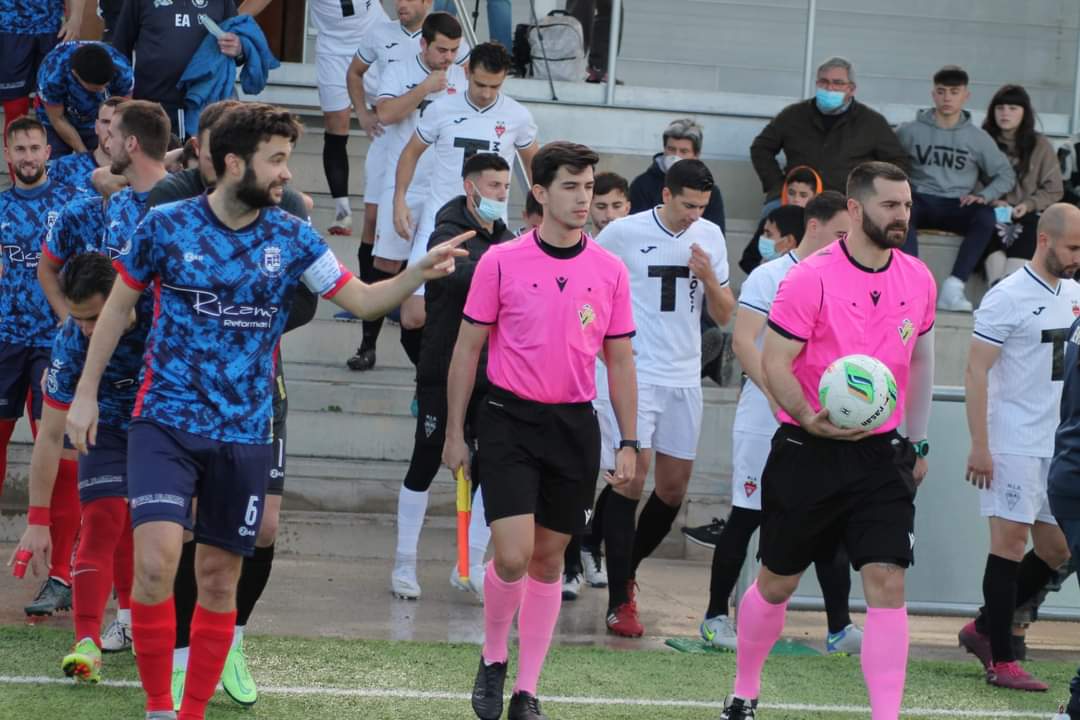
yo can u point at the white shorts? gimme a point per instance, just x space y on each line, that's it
609 432
1018 490
330 72
388 244
424 229
375 172
669 419
749 452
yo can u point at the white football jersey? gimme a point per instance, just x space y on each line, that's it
1029 320
342 24
456 130
667 298
758 291
398 80
388 43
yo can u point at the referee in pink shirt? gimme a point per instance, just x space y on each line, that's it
823 484
546 303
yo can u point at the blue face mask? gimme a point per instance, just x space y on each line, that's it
767 248
489 210
829 100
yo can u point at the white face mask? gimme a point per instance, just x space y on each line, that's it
667 161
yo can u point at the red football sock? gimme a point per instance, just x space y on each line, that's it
124 565
14 109
6 428
64 513
153 630
102 525
211 638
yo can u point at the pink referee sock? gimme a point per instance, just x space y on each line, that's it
536 624
501 602
884 660
759 626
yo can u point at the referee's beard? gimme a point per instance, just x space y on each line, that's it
890 237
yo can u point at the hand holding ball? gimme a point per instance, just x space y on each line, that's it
859 391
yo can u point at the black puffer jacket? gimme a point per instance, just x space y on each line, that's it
444 299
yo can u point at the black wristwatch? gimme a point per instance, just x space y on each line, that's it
922 448
634 445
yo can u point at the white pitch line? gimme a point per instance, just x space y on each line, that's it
404 694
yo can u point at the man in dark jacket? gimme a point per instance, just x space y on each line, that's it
682 140
486 179
831 132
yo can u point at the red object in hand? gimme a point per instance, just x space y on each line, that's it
22 559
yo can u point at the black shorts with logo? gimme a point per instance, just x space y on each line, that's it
276 484
539 459
819 492
431 404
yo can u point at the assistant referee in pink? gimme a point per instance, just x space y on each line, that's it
546 303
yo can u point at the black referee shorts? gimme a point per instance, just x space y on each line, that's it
539 459
817 493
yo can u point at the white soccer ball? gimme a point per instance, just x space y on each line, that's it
858 391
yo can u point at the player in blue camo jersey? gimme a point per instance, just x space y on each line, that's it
74 79
221 267
137 139
29 29
105 530
27 326
76 169
79 229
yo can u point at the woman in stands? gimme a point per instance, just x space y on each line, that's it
1011 120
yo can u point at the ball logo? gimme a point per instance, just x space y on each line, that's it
271 261
859 383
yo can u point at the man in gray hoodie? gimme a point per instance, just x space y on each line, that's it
948 156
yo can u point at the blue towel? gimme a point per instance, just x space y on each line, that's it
211 76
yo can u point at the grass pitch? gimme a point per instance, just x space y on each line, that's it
304 678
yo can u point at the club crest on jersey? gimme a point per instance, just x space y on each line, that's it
906 330
451 90
271 261
1076 309
200 4
500 128
586 315
51 218
749 487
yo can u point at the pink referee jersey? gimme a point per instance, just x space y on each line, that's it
550 311
838 307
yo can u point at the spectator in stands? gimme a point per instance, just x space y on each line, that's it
165 38
682 139
831 132
783 228
948 156
499 20
1010 121
75 78
801 185
595 19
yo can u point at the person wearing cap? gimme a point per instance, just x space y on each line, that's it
682 140
831 132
